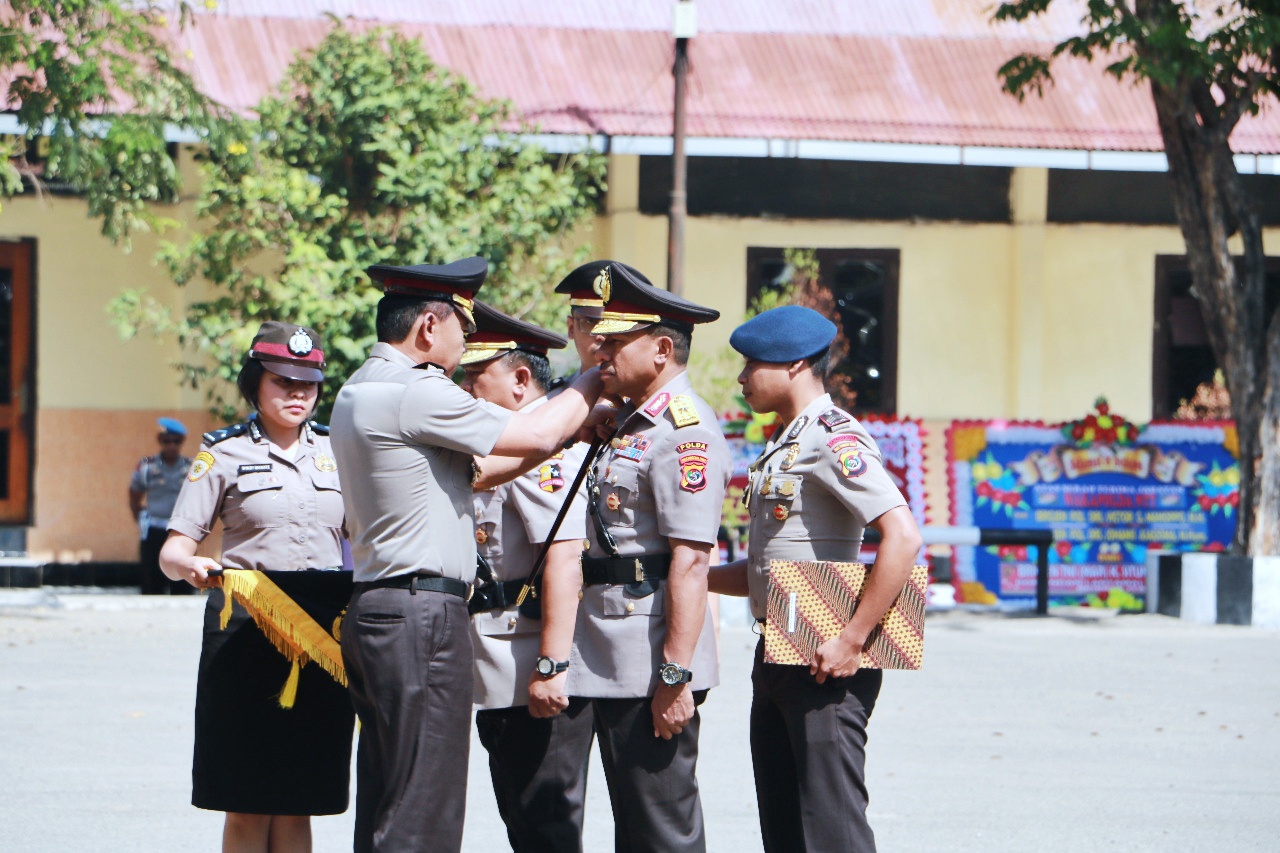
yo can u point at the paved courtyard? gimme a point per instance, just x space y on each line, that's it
1130 733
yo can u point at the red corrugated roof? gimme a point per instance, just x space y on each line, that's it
931 90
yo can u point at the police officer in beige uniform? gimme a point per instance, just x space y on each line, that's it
536 738
644 648
406 438
816 486
273 484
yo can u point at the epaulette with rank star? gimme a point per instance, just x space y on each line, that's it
558 383
833 418
217 435
683 411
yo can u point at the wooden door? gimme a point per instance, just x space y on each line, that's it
17 385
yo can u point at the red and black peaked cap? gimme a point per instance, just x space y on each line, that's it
630 304
288 350
497 334
584 286
455 282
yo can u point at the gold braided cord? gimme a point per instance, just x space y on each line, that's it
289 628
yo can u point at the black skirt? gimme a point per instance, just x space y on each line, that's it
251 755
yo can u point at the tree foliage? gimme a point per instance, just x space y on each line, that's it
93 86
367 152
1208 64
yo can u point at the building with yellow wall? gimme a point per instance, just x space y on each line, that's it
1028 263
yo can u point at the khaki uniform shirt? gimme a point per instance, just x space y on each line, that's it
658 480
277 514
512 522
406 439
812 492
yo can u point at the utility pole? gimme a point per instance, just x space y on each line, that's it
685 28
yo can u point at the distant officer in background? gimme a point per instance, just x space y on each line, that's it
644 649
153 490
537 740
406 438
816 486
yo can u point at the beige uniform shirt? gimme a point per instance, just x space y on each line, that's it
512 522
405 439
658 480
812 492
277 514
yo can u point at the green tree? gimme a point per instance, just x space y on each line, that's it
1208 64
367 152
93 87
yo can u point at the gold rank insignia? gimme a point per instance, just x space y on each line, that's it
787 488
781 511
683 412
613 501
326 463
793 453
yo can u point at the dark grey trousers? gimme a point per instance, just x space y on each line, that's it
652 783
408 660
808 748
539 773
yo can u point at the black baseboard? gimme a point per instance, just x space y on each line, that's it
70 574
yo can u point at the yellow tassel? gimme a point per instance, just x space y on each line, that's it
289 628
290 692
224 617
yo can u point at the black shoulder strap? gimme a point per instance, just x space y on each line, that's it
223 434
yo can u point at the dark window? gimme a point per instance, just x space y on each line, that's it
829 189
1138 198
1182 357
863 289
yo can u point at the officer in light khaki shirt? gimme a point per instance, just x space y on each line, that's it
525 720
644 647
406 438
815 488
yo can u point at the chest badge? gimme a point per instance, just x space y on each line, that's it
790 457
613 501
326 463
781 512
482 536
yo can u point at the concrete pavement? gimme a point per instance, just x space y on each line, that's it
1132 733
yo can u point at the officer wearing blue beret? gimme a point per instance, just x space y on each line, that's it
153 490
816 486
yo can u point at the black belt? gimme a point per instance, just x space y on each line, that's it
414 583
495 595
626 570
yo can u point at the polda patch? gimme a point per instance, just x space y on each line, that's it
848 451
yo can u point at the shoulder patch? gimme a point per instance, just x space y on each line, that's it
848 451
833 418
217 435
203 462
693 465
319 428
683 411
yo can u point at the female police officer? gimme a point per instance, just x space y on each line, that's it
273 482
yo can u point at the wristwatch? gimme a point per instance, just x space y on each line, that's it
546 667
673 674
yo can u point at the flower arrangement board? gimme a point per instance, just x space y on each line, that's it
1110 490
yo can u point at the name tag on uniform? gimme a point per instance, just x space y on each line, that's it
260 468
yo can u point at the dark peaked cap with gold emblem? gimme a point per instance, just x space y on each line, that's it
631 304
584 286
497 334
455 282
294 352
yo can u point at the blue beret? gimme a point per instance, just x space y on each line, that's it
785 334
173 426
